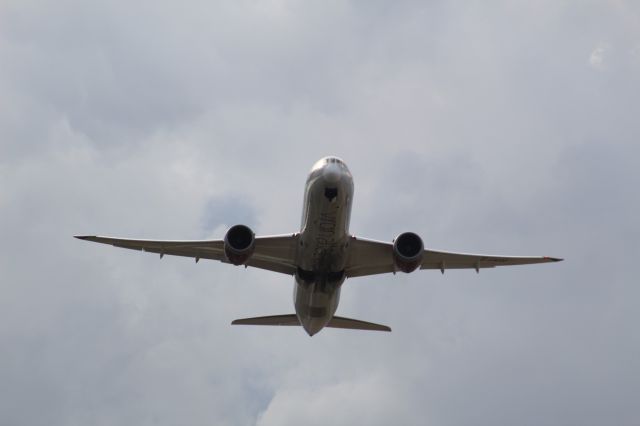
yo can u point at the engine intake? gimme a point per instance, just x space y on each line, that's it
239 243
407 252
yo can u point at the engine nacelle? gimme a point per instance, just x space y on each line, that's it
407 252
239 243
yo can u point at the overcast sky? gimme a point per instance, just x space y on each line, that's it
505 127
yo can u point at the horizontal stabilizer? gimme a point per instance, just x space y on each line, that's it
290 319
354 324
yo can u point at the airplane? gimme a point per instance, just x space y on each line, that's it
322 255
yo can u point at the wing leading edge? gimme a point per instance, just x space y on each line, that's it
370 257
274 253
278 253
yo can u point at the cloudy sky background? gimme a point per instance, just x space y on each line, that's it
498 127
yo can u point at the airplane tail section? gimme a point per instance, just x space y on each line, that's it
292 319
354 324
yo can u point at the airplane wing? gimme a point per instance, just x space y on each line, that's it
274 253
369 257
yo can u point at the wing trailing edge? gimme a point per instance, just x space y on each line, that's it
273 252
370 257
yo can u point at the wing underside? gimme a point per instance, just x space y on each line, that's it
278 253
274 253
370 257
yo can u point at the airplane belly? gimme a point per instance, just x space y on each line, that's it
315 304
323 239
325 234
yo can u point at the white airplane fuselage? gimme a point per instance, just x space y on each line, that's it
323 242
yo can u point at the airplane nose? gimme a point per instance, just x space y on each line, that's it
331 173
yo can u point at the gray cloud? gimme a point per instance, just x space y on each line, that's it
483 128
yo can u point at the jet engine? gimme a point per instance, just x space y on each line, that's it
239 243
407 252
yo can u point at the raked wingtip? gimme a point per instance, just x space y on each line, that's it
554 259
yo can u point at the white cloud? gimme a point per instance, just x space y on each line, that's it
598 55
372 399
